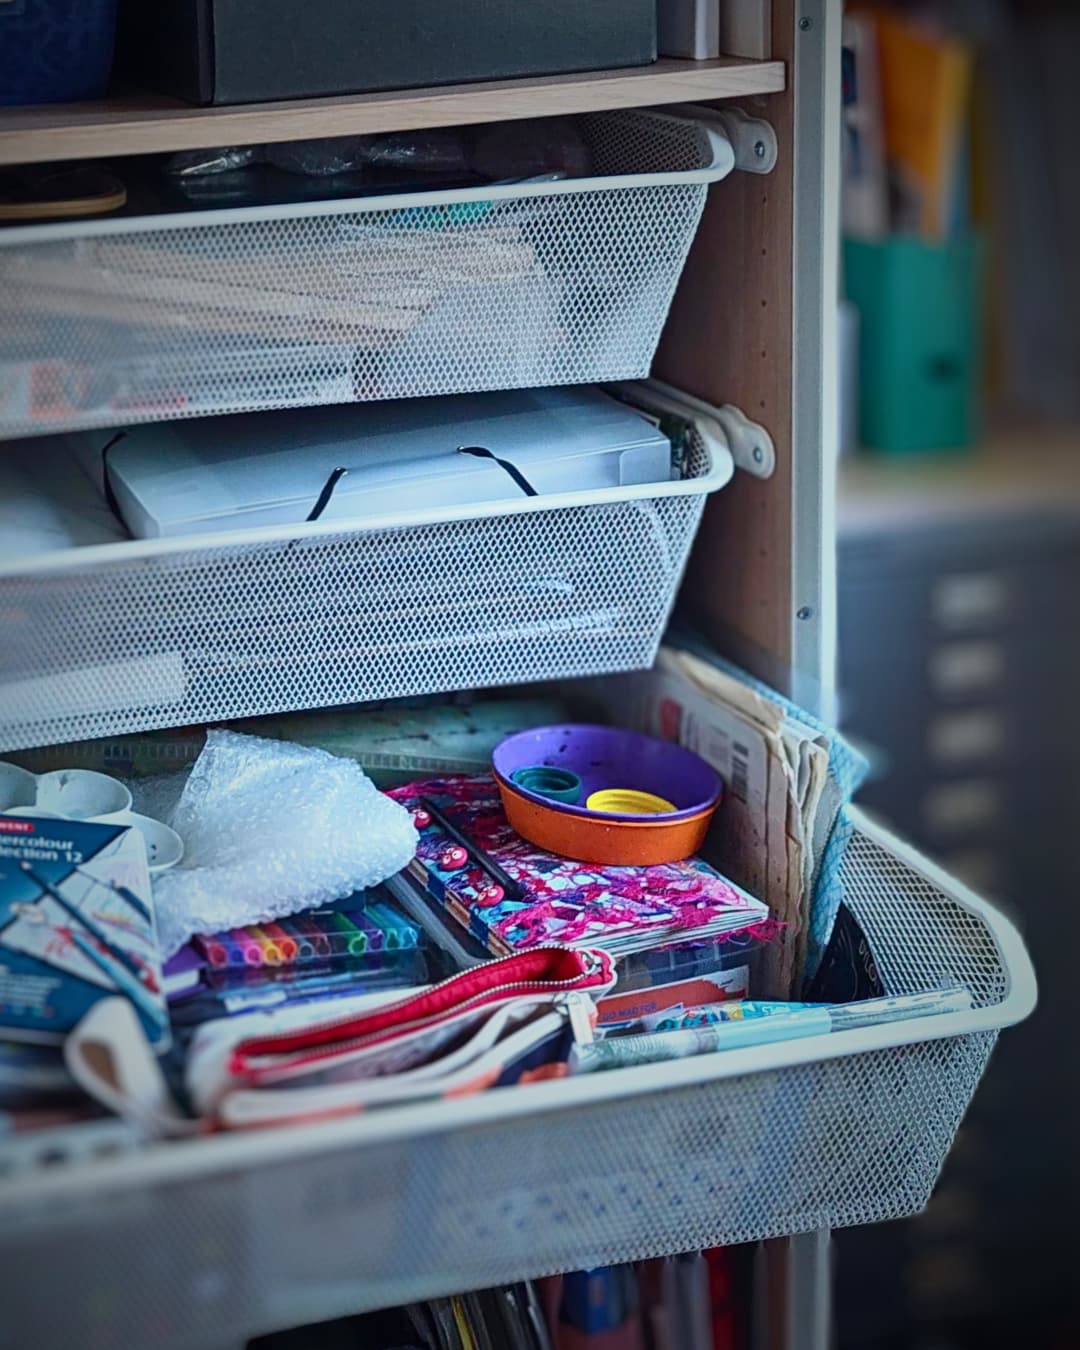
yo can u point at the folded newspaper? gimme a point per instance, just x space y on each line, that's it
788 779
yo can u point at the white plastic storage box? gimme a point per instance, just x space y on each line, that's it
354 464
125 636
211 1241
520 285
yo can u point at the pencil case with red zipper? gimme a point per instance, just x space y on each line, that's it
397 1037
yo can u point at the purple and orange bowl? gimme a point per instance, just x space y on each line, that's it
607 758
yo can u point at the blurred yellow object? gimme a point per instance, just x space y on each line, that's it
926 89
628 802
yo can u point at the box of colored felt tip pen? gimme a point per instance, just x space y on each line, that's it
314 936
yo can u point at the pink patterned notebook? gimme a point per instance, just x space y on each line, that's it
621 909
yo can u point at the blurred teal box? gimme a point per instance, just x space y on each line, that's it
920 324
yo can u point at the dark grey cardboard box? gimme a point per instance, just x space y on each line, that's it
244 51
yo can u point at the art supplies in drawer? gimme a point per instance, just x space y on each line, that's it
232 993
270 830
76 926
513 896
362 945
470 1032
724 966
606 795
356 464
511 1020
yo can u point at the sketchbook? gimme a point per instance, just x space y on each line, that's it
620 910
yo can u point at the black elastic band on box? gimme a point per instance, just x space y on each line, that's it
322 501
515 473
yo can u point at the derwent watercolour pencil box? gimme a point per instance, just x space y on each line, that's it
76 925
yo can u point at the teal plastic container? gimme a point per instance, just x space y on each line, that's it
920 312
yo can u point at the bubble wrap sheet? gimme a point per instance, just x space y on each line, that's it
269 829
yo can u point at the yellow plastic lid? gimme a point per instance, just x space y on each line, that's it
628 802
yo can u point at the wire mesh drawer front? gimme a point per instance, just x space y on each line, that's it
850 1141
308 1231
245 629
115 323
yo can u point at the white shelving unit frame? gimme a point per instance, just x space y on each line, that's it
212 1240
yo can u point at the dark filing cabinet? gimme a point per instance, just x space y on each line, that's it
959 673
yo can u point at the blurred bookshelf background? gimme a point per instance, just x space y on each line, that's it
959 600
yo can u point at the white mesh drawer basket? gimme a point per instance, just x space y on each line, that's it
505 286
132 635
211 1240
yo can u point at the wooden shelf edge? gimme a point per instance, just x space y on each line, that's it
146 124
1014 470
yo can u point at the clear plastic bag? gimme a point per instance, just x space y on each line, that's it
432 151
201 163
531 149
270 829
322 158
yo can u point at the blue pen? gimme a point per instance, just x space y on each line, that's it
842 1016
768 1024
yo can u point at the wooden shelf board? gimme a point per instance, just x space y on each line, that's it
1015 469
146 124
